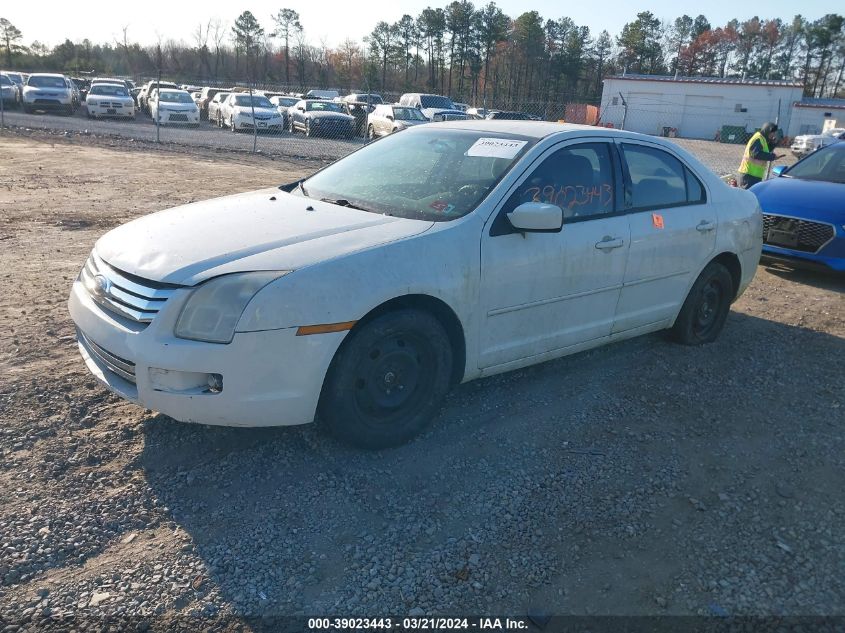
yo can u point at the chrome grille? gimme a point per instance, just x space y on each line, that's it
797 234
124 294
117 365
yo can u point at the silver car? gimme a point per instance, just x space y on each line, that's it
387 119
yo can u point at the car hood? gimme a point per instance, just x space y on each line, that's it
260 230
815 200
329 115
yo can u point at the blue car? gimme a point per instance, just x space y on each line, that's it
804 211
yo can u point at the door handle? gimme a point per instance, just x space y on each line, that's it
704 226
609 243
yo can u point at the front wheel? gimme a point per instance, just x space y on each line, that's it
387 380
371 133
308 131
706 308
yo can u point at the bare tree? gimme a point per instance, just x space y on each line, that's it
287 25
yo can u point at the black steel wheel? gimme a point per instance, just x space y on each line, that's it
386 382
706 308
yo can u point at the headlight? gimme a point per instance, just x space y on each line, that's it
213 310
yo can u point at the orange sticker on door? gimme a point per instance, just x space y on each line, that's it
657 220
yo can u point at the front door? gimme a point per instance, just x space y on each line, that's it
542 292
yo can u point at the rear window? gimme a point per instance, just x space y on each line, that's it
658 179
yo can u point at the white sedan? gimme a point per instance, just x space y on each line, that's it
109 100
170 107
424 259
241 111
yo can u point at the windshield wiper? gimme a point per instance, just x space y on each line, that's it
343 202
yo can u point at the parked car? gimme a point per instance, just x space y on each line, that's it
477 113
504 115
214 106
112 80
49 92
109 100
241 111
807 143
282 103
425 259
16 77
319 117
463 107
82 85
387 119
434 107
10 93
206 95
322 94
804 211
168 106
146 91
362 97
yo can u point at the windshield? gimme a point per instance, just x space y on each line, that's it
5 81
423 174
323 106
111 91
408 114
367 98
46 82
825 164
255 101
286 101
175 97
435 101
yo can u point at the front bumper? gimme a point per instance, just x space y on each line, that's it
835 263
247 123
48 103
269 378
109 111
165 117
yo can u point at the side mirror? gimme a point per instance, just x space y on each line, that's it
390 117
779 170
537 217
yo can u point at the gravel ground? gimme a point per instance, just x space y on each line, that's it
642 478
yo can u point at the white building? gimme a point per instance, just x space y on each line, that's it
809 115
695 107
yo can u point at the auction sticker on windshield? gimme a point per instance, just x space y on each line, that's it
495 148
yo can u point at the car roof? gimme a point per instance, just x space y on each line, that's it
533 129
47 75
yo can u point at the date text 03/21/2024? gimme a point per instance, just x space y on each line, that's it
417 624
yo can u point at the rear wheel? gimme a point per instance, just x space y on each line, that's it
387 380
706 308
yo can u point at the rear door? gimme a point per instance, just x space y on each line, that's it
673 234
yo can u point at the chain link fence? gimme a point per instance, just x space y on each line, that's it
324 125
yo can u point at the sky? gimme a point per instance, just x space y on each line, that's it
51 21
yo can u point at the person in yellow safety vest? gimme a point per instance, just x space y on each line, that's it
752 169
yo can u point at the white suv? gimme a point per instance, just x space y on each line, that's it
49 92
427 258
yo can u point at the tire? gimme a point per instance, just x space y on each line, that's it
219 121
308 131
706 308
371 133
364 401
232 125
291 128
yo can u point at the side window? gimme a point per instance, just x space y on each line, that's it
578 179
658 179
695 191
